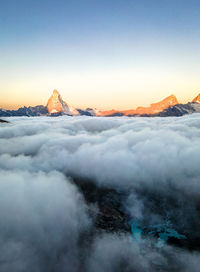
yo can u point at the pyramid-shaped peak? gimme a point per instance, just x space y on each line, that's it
55 103
55 92
196 99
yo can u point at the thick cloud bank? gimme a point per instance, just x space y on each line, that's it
46 222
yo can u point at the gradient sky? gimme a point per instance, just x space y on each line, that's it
99 53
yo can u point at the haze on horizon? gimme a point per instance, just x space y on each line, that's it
104 54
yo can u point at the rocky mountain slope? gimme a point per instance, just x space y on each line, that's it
181 109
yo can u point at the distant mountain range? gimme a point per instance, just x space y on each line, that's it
57 106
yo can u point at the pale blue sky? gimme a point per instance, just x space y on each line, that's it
105 54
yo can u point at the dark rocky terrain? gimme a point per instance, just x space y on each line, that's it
107 208
181 109
3 121
25 111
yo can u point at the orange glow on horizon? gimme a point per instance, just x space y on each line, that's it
14 106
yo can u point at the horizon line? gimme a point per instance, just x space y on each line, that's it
134 108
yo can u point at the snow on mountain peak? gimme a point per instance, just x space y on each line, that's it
57 105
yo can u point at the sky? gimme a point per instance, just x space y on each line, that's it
99 53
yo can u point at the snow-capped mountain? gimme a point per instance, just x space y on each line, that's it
56 105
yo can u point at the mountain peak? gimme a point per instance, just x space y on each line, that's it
57 105
172 100
55 93
196 99
172 96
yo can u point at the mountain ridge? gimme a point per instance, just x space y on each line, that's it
56 106
152 109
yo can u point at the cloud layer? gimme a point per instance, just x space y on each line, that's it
153 161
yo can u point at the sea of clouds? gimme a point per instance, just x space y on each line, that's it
44 216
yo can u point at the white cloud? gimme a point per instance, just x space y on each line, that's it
154 160
42 216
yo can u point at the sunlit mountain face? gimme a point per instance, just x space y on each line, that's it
197 99
56 105
82 193
152 109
